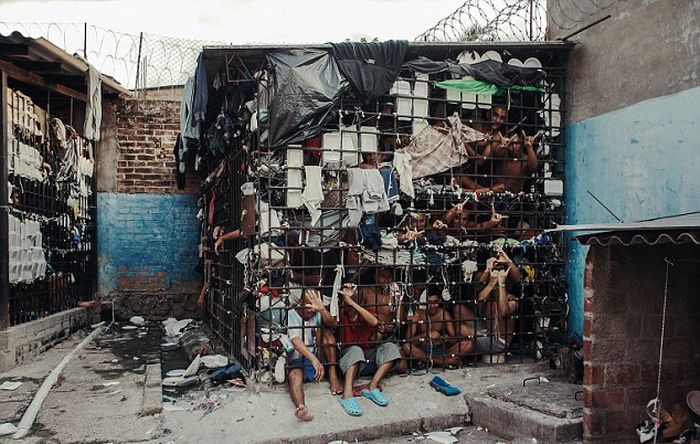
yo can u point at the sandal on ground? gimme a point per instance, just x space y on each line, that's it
376 396
351 406
444 387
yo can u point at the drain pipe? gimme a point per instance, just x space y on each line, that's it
29 416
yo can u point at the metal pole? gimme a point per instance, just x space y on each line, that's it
4 205
85 40
138 61
531 7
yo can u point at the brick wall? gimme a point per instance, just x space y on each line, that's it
147 231
146 132
624 289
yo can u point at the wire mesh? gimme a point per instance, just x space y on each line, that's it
420 270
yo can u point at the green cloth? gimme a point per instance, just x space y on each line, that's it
478 87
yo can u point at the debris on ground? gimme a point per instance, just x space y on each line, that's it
10 385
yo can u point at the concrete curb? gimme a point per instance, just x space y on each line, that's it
152 391
378 431
514 422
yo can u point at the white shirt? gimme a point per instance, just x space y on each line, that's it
305 330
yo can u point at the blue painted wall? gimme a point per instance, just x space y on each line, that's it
642 161
147 243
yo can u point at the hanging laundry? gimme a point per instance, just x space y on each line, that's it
313 192
435 150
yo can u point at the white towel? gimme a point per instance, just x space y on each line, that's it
313 192
337 283
402 164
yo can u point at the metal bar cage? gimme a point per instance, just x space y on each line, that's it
51 208
427 267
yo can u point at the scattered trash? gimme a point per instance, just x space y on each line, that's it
176 372
167 346
172 407
224 374
114 361
534 440
129 327
480 428
114 392
136 358
173 327
214 361
441 437
109 384
454 430
543 379
338 442
137 320
179 381
7 429
10 385
194 367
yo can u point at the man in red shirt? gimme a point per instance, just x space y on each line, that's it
363 352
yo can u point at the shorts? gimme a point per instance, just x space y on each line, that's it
368 361
433 350
305 365
487 343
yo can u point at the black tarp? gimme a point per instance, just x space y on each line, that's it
308 85
490 71
504 75
371 68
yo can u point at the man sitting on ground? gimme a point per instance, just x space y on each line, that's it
364 353
303 324
431 337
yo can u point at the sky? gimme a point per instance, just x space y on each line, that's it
243 21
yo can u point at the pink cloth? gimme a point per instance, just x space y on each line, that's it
434 150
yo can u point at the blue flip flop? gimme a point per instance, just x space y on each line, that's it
351 406
376 396
444 387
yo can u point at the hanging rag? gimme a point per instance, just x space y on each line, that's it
402 164
93 106
312 196
435 150
354 199
337 283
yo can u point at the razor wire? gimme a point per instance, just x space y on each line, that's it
491 21
512 20
137 61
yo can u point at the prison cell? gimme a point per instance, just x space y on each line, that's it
476 205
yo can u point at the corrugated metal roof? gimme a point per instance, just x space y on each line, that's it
41 57
676 229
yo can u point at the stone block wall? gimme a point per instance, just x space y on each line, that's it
624 291
24 341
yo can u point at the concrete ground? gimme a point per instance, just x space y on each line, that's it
111 392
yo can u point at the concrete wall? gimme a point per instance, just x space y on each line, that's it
624 296
631 96
148 235
22 342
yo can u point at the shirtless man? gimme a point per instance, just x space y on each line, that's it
432 335
498 115
494 302
517 160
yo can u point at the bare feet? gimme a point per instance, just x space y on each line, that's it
303 413
336 387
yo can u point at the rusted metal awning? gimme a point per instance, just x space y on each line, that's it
40 63
676 229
